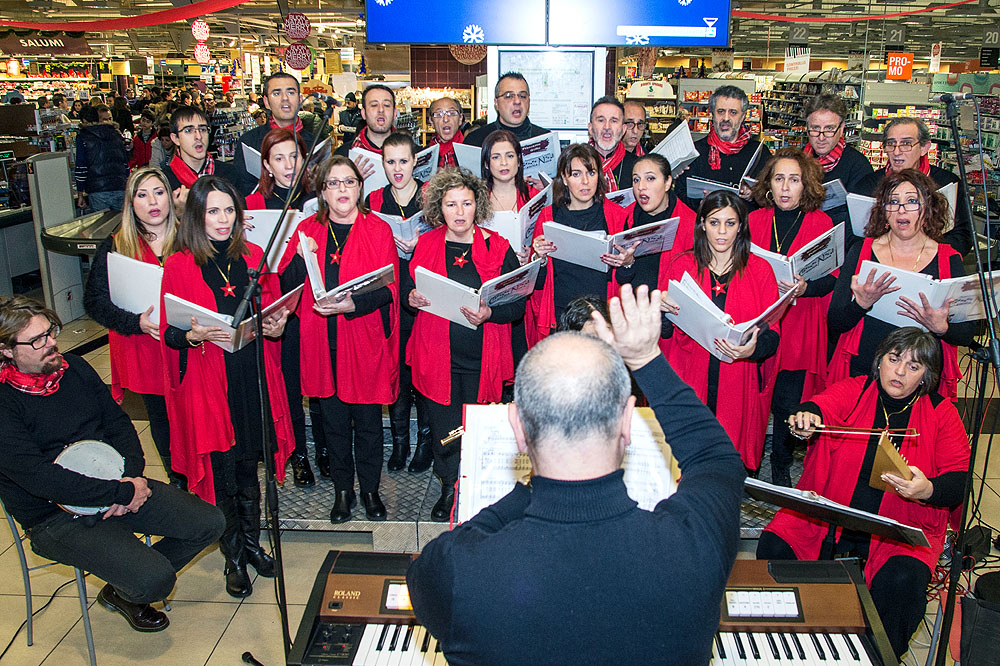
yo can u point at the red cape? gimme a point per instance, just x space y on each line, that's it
198 409
833 465
742 406
683 241
429 349
847 344
803 345
540 313
136 360
367 360
256 201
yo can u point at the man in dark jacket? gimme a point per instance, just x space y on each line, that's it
512 100
101 167
350 118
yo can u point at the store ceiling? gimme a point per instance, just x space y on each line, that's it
340 23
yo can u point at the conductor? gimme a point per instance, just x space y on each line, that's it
577 572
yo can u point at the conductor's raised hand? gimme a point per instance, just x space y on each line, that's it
867 292
634 329
365 166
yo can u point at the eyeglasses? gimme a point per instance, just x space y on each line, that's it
195 129
39 341
901 146
635 124
815 131
908 206
450 113
335 183
510 95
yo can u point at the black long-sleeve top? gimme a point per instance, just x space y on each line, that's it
34 429
786 227
570 280
845 313
730 171
851 170
97 296
578 573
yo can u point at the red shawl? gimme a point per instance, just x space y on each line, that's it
136 360
367 360
429 349
186 174
831 159
540 312
256 201
803 345
610 163
298 126
446 153
362 141
198 409
847 345
742 406
683 241
717 145
833 465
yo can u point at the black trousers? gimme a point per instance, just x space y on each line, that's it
110 550
159 426
442 419
787 397
354 440
899 590
291 373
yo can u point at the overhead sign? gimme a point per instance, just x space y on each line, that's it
200 29
35 44
798 34
991 37
900 66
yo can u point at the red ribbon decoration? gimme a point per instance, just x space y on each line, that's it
153 18
805 19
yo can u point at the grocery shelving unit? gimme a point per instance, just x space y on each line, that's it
784 104
883 101
692 100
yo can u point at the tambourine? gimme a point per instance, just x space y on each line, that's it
95 459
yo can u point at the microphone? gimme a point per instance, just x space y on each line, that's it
948 98
249 659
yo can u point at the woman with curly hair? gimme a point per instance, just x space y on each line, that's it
790 192
904 231
455 364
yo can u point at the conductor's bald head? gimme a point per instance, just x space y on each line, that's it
571 393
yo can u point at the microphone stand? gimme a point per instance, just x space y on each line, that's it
990 354
251 300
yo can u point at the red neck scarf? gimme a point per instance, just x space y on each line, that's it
924 167
186 174
32 384
612 162
717 146
831 159
297 125
446 153
362 141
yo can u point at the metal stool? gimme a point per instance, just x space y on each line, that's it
81 588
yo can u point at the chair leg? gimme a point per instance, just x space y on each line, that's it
27 582
81 587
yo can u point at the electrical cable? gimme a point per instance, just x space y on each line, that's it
18 630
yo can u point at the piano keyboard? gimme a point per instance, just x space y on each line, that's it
744 648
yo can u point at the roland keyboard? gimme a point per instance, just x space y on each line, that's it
773 614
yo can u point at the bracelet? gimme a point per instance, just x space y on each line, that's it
192 344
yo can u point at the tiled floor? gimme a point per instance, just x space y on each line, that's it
208 627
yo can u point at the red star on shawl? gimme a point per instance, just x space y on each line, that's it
334 257
229 290
460 260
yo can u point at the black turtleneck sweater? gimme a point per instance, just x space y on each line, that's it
578 573
523 132
280 194
570 280
786 227
646 269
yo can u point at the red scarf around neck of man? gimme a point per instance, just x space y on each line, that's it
831 159
446 153
362 141
718 147
611 162
186 174
924 167
297 128
32 384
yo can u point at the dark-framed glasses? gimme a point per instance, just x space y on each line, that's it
635 124
38 342
335 183
908 206
827 132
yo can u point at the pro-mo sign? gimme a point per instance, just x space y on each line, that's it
900 66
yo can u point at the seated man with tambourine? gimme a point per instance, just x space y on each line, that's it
48 401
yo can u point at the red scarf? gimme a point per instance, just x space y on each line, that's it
831 159
446 153
297 128
924 167
32 383
362 142
639 152
717 146
186 174
611 162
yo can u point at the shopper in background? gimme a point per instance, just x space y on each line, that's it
724 154
122 115
214 122
349 118
282 98
635 128
101 167
312 120
606 129
447 118
74 113
512 100
142 142
189 131
825 118
454 365
904 231
907 142
790 192
260 117
162 148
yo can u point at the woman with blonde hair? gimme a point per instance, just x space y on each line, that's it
146 234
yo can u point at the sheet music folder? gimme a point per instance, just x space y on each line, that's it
820 508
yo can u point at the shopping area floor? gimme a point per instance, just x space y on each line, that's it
207 626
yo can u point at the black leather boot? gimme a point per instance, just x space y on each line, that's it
248 505
319 439
399 424
231 544
301 471
374 509
342 505
423 457
442 508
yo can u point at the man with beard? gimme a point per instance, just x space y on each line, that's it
446 117
48 401
724 154
606 129
190 132
512 100
635 128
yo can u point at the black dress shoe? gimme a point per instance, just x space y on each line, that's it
323 465
238 582
301 471
260 560
442 508
342 506
397 460
142 617
374 508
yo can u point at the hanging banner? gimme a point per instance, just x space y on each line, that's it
900 67
201 53
935 65
35 44
855 59
298 56
181 13
297 26
200 30
797 60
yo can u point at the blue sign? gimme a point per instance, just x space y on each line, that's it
455 22
163 63
631 23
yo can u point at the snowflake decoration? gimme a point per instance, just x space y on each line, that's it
684 3
640 40
473 34
383 3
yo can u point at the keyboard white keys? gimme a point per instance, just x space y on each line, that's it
383 655
366 646
396 646
412 655
729 641
863 657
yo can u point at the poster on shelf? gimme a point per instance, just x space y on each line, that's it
797 59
